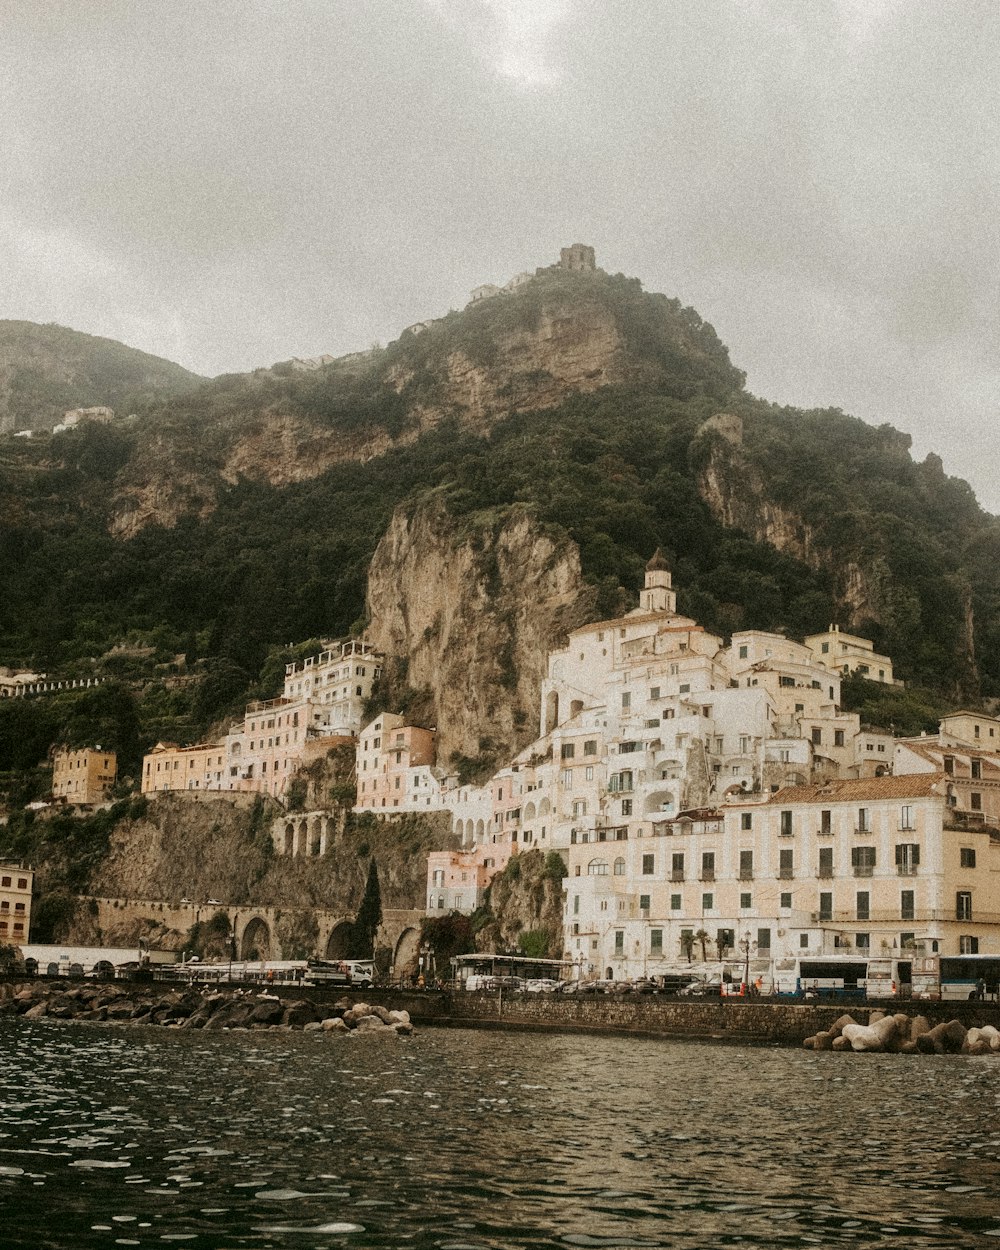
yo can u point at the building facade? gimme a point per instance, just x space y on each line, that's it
15 903
84 777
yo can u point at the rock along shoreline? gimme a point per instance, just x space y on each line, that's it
212 1010
900 1034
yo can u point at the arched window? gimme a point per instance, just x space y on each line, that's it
597 868
620 867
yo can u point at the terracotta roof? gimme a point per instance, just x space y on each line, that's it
864 789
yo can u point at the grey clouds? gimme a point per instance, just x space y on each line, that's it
229 184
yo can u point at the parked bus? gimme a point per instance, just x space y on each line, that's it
969 976
859 977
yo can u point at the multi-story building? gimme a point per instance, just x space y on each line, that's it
15 903
321 705
870 865
83 777
848 654
395 767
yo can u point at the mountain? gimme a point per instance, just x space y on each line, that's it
45 370
469 493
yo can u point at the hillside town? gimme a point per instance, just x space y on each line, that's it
699 793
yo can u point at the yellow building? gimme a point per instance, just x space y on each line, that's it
83 777
170 767
847 653
15 903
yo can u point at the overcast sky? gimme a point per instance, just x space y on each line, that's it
230 184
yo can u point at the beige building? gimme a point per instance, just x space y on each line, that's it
972 728
15 903
848 654
83 777
874 866
395 767
171 767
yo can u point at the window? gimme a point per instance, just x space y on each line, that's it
786 864
968 945
906 818
576 904
568 750
864 819
763 939
862 941
589 772
976 801
817 736
743 652
707 902
675 902
746 820
967 857
906 905
746 865
626 700
654 692
786 825
863 905
826 822
977 770
949 764
708 866
590 747
786 681
907 858
648 865
677 867
567 779
597 868
684 688
826 861
619 867
803 939
746 902
826 906
838 737
619 941
744 744
785 900
626 807
656 941
863 860
963 905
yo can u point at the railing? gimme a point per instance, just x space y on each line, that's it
677 874
786 874
707 874
906 870
863 870
824 833
824 871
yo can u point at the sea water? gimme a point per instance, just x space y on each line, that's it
133 1136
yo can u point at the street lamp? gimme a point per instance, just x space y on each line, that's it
746 946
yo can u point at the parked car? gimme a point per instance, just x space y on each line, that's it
541 985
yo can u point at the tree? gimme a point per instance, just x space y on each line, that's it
687 944
702 937
366 925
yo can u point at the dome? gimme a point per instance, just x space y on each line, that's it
658 562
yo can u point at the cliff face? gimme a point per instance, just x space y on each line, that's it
526 899
736 493
475 609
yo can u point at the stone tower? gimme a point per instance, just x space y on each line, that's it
657 595
578 257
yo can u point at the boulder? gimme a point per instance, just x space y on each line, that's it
918 1025
334 1024
908 1048
403 1017
269 1011
953 1036
37 1011
384 1015
840 1024
809 1043
300 1013
403 1028
928 1045
992 1035
902 1026
313 1026
875 1016
841 1043
863 1038
887 1031
370 1024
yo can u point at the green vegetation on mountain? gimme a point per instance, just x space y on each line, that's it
47 369
618 469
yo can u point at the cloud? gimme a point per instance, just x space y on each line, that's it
232 184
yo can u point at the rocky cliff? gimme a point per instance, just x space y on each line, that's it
526 907
475 607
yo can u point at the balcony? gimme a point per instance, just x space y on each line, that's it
825 871
786 874
863 870
864 830
824 833
707 874
677 874
906 870
746 874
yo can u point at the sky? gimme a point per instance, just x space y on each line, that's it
230 184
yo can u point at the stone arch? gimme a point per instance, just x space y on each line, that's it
480 831
256 943
105 969
529 811
407 950
544 807
300 837
52 970
575 708
316 836
659 801
338 944
551 711
289 841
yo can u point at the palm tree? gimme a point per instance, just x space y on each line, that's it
702 937
687 944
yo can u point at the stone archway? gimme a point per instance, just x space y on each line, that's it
404 957
338 944
256 943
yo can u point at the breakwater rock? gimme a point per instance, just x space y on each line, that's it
199 1009
900 1034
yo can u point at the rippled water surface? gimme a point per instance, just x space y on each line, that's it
459 1140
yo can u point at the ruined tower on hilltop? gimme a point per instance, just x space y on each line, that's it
577 257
